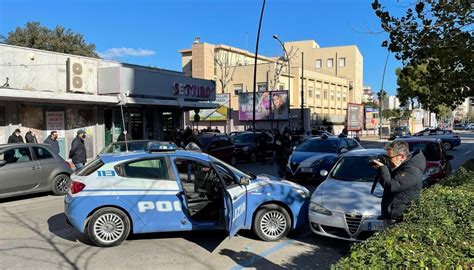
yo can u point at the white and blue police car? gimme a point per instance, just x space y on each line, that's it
166 189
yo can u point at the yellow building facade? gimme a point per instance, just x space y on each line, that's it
332 77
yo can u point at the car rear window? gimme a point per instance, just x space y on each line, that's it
91 167
431 150
344 170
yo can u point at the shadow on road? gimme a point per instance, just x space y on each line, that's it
249 259
58 226
24 197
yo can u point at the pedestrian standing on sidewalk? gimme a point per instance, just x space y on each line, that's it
282 152
30 137
78 150
52 140
16 137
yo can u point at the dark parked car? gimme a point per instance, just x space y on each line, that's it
459 126
398 132
448 138
32 168
316 154
218 145
131 146
437 160
247 145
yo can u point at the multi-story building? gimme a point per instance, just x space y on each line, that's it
367 95
391 103
331 77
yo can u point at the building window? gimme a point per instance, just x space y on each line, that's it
330 62
310 91
238 88
281 87
261 87
342 62
344 98
332 95
318 94
319 63
325 94
338 96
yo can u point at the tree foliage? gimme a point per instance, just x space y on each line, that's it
434 41
59 39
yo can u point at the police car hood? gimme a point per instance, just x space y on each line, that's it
275 181
309 157
348 196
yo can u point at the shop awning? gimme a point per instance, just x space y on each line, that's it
71 98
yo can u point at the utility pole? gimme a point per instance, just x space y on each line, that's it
381 94
255 67
302 91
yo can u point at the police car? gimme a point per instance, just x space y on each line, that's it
166 189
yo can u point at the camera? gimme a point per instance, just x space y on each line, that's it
382 159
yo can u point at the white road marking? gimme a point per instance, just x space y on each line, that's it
468 152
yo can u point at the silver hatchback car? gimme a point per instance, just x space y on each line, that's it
31 168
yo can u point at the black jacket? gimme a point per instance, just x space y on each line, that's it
282 147
53 144
30 138
15 139
121 137
402 185
78 151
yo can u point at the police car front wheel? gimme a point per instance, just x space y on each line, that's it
272 223
108 227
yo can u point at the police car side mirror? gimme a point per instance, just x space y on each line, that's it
343 150
245 181
2 163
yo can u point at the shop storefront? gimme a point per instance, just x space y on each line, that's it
51 91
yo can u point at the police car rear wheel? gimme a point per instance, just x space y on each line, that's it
272 223
108 227
60 184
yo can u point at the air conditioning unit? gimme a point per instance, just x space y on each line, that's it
76 76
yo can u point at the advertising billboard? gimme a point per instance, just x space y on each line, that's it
271 105
371 117
218 114
355 117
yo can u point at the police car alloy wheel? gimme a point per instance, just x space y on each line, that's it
108 227
272 223
60 184
447 146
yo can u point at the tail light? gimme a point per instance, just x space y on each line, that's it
77 187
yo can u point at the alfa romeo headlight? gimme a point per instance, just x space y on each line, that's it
319 209
317 163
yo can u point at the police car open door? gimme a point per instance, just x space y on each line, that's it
235 198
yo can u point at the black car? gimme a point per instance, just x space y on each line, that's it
316 154
218 145
398 132
249 145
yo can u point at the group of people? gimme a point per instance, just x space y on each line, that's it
77 153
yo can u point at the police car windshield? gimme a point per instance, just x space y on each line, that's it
318 145
238 173
344 170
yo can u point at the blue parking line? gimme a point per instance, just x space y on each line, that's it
250 261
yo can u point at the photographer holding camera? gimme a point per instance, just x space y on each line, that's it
401 182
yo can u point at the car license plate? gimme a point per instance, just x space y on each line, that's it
375 226
307 170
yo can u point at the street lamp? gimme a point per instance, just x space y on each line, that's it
287 56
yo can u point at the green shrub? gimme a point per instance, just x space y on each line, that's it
437 232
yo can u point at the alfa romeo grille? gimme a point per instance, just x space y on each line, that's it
294 167
353 222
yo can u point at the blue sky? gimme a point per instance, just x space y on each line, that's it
154 31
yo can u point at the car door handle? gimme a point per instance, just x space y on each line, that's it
34 168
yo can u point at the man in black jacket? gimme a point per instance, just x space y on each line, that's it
16 137
78 150
52 140
402 184
30 137
282 146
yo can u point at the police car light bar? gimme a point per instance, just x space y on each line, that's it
162 147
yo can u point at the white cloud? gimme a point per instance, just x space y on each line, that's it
120 52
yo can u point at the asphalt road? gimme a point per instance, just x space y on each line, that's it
33 234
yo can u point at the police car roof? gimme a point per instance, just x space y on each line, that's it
107 158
